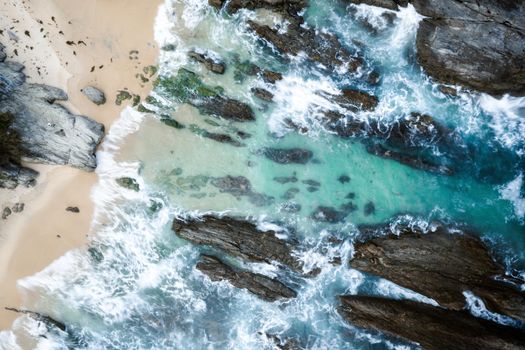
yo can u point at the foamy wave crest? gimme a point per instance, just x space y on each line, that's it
477 307
507 119
513 193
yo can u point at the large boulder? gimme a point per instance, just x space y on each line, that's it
439 265
432 328
266 288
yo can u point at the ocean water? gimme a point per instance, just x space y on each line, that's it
136 286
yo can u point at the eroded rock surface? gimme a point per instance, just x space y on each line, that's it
432 327
442 266
478 44
266 288
238 238
36 129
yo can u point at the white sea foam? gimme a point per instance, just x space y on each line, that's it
507 119
477 307
512 193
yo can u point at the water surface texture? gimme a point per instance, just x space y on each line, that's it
137 286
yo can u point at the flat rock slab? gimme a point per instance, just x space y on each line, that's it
431 327
441 266
266 288
238 238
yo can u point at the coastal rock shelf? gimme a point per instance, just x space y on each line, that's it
40 131
441 266
430 327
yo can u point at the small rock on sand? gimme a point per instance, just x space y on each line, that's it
94 95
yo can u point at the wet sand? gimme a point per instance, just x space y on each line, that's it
68 44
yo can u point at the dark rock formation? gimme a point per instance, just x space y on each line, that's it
73 210
263 94
441 266
355 100
431 327
319 47
35 129
6 213
328 214
287 7
48 321
94 95
411 160
238 238
214 65
224 107
288 155
266 288
478 44
128 183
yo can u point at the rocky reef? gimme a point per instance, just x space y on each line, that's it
430 327
476 44
36 129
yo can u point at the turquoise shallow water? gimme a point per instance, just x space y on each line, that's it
136 287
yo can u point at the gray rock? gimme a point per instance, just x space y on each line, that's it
433 328
94 95
46 132
238 238
266 288
441 266
478 44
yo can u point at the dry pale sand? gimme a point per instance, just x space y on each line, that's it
101 36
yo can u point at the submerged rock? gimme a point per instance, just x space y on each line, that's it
328 214
128 183
288 155
354 100
441 266
478 44
238 238
433 328
240 186
264 287
94 95
187 87
213 64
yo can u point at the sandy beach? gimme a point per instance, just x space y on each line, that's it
67 44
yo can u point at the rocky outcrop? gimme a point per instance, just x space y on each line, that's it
477 44
323 48
431 327
439 265
48 321
94 95
36 129
288 7
266 288
213 64
238 238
